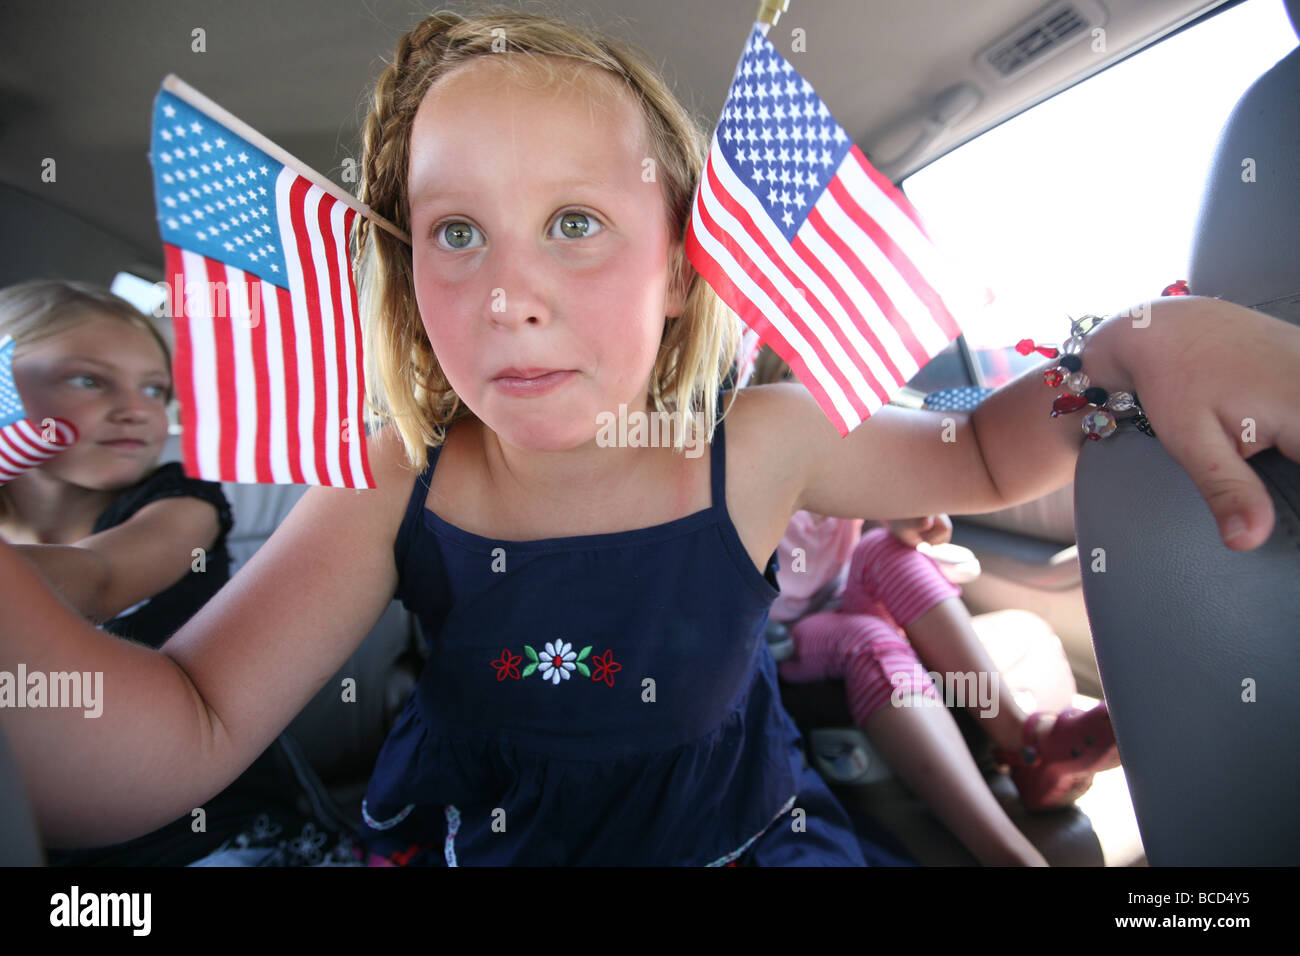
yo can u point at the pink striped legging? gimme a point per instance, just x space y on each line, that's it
859 641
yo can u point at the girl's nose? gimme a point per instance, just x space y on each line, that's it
129 406
128 413
521 293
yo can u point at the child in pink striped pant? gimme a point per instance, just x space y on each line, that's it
860 607
888 585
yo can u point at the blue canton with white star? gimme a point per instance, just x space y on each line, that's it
215 192
11 403
778 135
961 399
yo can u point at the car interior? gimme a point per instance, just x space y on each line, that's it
1205 780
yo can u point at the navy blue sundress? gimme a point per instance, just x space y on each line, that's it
603 699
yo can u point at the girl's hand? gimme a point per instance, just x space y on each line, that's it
932 529
1219 383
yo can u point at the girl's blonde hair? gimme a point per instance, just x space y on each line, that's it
770 367
409 388
36 310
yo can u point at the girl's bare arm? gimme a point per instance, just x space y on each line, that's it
108 572
178 725
1203 368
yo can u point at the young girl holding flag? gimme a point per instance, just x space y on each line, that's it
599 689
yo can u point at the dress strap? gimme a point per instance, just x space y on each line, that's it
419 492
718 469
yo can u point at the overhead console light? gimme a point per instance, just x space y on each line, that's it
1049 32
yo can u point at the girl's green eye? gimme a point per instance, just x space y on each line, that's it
577 225
82 381
458 235
156 391
572 225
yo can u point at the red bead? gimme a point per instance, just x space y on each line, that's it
1177 288
1054 377
1065 404
1025 346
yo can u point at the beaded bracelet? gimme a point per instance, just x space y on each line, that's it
1079 390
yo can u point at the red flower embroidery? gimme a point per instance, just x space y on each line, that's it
507 665
404 857
604 668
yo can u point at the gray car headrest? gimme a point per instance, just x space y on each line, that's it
1247 243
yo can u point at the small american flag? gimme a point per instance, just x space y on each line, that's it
24 445
746 356
812 247
268 365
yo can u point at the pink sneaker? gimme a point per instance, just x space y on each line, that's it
1057 770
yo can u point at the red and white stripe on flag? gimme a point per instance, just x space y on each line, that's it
812 247
270 379
24 446
746 356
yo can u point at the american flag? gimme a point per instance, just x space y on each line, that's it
23 444
746 357
268 365
812 247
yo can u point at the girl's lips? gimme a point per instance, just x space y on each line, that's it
531 387
124 443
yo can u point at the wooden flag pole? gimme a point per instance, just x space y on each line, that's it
179 88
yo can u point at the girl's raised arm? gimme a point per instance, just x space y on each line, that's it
106 573
156 733
1218 382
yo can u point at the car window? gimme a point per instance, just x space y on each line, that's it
1088 201
140 292
148 298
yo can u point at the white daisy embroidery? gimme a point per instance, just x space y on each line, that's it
556 662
